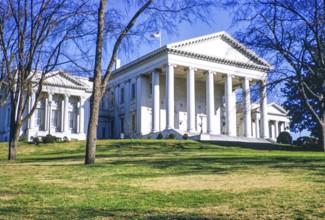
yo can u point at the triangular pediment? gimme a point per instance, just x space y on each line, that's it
273 108
62 79
220 45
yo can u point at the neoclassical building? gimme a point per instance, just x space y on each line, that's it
200 87
63 111
191 87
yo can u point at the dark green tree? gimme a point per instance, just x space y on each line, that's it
291 35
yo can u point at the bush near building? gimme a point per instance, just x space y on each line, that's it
284 138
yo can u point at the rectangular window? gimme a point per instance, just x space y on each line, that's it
54 118
38 117
132 91
122 96
150 89
70 118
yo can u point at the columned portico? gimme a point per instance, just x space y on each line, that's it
230 106
263 103
210 100
155 100
247 108
191 99
200 101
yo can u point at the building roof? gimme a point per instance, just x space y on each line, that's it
218 47
65 80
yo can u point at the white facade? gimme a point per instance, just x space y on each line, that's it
277 120
189 87
63 111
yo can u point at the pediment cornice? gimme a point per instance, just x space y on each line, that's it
176 48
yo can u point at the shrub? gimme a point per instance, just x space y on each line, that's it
49 139
23 138
171 136
185 136
36 140
308 143
160 136
284 138
65 139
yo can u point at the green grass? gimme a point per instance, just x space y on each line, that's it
148 179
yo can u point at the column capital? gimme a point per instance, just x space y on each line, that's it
155 70
190 68
228 75
246 78
170 64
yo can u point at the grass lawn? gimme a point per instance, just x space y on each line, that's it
148 179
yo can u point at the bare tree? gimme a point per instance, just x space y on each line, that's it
149 16
33 38
291 34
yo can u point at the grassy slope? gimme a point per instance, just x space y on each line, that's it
149 179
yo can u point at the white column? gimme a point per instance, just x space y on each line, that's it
210 101
46 111
263 107
49 116
191 99
116 116
62 115
139 106
247 108
31 103
127 102
230 121
155 101
170 96
276 129
81 115
66 113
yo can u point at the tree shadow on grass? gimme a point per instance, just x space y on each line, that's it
102 213
164 157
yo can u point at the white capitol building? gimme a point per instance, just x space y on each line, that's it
189 87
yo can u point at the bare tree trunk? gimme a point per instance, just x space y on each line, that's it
97 89
92 125
14 137
322 141
13 143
